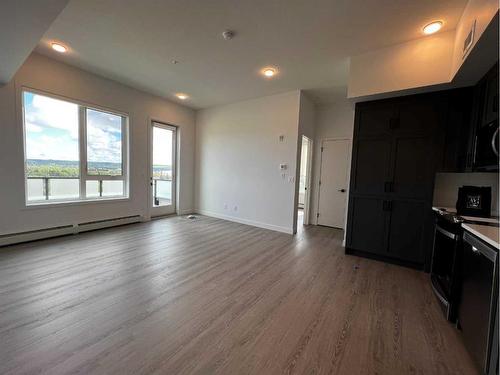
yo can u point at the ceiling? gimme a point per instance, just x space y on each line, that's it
134 42
22 24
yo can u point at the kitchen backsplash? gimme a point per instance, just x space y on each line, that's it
447 184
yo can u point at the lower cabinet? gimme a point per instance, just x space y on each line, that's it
368 223
396 229
408 230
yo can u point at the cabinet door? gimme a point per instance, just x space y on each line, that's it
420 115
374 118
491 97
367 225
407 230
371 165
414 167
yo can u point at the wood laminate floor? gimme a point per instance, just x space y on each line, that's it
175 296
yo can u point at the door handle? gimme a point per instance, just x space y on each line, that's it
342 190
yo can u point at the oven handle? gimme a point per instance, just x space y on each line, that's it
493 143
446 233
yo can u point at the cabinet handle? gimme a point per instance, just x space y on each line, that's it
394 123
475 250
387 205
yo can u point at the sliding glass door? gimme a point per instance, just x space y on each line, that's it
163 169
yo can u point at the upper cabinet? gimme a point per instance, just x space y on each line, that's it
376 118
471 137
483 139
490 102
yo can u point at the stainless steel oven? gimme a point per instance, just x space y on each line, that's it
446 262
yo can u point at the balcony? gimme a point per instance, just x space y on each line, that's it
162 191
68 188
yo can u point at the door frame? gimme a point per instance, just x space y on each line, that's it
307 195
349 157
175 163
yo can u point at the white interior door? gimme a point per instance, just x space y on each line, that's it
163 169
333 183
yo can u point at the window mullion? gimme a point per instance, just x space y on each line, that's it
83 151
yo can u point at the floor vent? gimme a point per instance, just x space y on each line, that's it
13 238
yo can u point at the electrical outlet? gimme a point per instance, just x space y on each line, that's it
283 176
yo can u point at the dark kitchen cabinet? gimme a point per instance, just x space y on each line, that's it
376 118
367 216
412 174
407 227
456 155
395 157
490 103
420 115
372 160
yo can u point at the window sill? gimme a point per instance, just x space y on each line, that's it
54 204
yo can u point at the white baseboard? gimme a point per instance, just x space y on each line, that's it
245 221
14 238
186 211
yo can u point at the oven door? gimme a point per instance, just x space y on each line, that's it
486 147
444 268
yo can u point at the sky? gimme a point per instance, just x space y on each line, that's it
162 146
52 131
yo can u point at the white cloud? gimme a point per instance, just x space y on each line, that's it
53 113
162 146
52 148
32 128
102 145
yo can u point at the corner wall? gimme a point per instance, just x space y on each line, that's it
238 153
44 74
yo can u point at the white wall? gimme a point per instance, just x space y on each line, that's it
447 184
422 62
480 11
237 161
332 121
42 73
307 127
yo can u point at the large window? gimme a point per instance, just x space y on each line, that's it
73 152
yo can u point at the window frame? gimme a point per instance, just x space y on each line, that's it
83 176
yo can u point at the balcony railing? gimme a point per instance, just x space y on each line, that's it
45 188
162 191
64 188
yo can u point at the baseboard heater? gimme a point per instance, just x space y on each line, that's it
13 238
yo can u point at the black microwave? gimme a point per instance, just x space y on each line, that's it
486 147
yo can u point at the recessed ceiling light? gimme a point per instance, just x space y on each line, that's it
433 27
181 96
59 47
269 72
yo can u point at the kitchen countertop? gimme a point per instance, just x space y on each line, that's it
471 218
487 233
